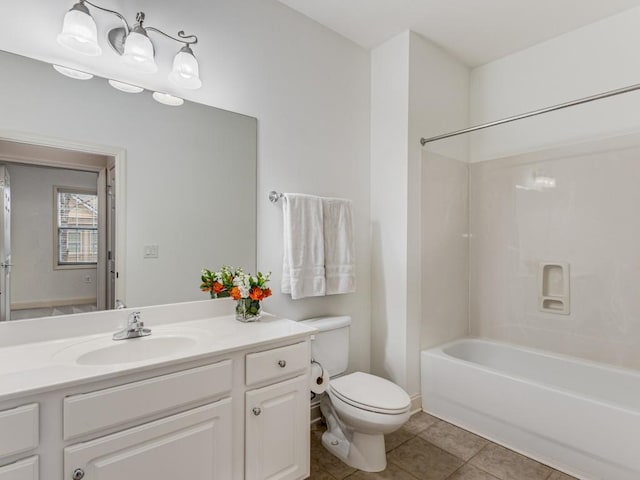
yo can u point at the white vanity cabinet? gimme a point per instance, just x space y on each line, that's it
233 406
277 415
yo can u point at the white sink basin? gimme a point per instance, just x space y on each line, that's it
106 351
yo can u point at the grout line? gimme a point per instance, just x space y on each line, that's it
403 469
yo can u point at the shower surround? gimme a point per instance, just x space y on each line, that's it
578 205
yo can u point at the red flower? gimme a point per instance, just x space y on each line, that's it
266 292
217 287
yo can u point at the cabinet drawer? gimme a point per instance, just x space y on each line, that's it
23 470
19 430
112 407
277 363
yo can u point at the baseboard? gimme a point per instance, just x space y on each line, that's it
416 403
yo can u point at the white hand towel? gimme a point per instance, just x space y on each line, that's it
339 248
303 273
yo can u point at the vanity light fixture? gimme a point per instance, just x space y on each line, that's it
167 99
125 87
79 33
71 73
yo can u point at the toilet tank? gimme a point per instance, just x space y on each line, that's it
330 346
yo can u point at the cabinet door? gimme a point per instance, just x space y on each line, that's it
277 431
195 444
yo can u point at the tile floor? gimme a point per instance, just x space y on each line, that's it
428 448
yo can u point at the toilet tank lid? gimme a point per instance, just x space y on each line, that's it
324 324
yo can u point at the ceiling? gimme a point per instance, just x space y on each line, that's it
475 31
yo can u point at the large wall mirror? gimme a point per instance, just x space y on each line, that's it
115 196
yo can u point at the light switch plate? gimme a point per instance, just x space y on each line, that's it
151 251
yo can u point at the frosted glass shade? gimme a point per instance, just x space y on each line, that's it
71 73
167 99
125 87
185 72
138 51
79 32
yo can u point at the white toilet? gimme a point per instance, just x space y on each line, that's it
360 408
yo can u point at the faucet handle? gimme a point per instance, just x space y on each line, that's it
134 318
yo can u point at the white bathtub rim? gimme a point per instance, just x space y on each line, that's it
522 379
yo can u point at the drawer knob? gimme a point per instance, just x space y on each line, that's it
282 363
256 411
78 474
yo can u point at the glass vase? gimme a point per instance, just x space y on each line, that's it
248 310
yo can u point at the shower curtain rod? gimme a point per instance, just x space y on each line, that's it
560 106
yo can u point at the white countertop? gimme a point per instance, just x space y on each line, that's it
30 368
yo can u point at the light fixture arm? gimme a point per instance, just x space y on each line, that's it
186 39
117 14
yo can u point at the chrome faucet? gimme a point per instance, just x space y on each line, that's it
134 329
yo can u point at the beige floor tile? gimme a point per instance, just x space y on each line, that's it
396 439
508 465
469 472
321 475
560 476
392 472
424 460
418 422
454 440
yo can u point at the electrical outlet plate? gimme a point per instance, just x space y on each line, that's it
151 251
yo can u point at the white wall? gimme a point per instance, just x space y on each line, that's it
33 278
309 89
389 172
593 59
417 90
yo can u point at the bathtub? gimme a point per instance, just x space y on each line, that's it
577 416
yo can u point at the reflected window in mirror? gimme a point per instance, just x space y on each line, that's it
77 227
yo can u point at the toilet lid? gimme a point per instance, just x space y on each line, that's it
371 393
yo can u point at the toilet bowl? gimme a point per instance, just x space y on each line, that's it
359 408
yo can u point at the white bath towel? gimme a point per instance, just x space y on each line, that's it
303 272
339 249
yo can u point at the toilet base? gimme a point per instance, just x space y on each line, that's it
363 451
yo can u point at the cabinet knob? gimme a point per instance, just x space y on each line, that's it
78 474
256 411
282 363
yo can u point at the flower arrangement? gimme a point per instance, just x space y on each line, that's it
246 289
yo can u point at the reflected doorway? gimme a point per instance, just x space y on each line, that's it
61 231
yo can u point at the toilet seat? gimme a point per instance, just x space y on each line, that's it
371 393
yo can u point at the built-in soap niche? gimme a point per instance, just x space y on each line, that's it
553 288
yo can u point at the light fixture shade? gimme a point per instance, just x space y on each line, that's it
71 73
138 51
167 99
79 31
125 87
185 72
